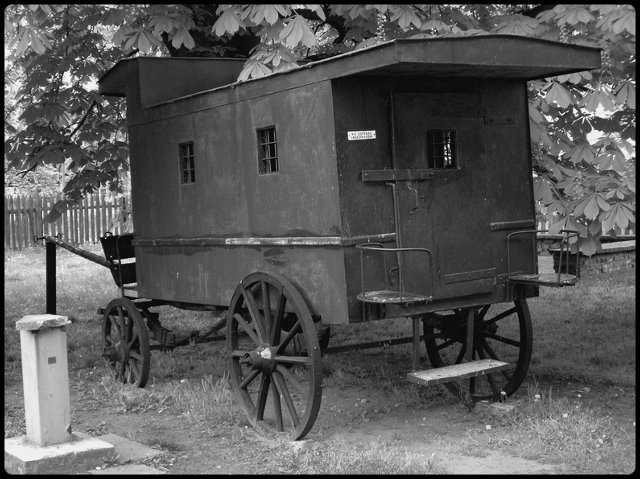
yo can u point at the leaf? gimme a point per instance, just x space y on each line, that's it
405 16
582 152
588 246
626 95
296 31
228 22
317 9
559 95
627 22
183 37
517 25
253 69
264 12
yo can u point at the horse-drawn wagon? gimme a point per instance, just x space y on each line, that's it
392 181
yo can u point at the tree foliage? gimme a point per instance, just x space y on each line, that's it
582 124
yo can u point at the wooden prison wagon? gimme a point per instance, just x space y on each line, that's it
392 181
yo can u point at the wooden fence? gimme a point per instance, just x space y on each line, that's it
80 224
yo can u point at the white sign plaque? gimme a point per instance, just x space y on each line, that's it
361 135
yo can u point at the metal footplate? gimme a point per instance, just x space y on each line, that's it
392 297
545 279
469 369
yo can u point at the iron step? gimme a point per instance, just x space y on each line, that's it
387 296
457 371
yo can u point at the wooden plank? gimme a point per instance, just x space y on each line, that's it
65 224
109 207
264 240
85 219
12 224
28 208
38 215
76 224
20 223
511 225
7 237
92 218
103 213
80 221
58 222
457 371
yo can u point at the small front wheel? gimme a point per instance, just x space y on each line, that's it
126 342
274 355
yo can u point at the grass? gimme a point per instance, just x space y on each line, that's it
582 335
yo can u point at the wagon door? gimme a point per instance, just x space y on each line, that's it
443 206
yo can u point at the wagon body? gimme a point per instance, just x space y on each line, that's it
347 128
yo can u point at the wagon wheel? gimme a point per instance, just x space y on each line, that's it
126 342
504 335
278 381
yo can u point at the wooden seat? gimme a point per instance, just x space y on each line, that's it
387 296
545 279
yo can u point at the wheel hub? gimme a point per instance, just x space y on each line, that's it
261 358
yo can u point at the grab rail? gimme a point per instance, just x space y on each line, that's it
566 234
379 247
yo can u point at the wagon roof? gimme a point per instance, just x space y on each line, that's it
488 56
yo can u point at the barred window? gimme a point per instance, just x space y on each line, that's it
441 149
187 163
267 150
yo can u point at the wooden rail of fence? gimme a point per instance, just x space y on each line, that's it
80 224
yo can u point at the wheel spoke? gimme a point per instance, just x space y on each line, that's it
502 339
252 375
133 365
275 331
284 391
250 302
460 356
247 329
290 377
500 316
292 332
304 360
493 355
135 355
277 407
266 307
447 343
483 312
262 396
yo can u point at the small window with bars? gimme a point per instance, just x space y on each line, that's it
267 150
187 163
441 149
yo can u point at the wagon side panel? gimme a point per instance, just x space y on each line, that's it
238 212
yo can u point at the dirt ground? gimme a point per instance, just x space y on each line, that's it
575 412
426 424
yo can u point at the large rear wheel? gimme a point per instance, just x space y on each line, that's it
274 355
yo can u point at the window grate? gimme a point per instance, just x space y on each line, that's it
267 150
441 149
187 163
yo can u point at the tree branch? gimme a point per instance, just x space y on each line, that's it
83 119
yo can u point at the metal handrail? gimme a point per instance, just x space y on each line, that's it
566 234
379 247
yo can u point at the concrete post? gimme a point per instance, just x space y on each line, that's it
45 378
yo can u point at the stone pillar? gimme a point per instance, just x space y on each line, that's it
45 378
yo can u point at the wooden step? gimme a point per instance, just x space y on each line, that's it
457 371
